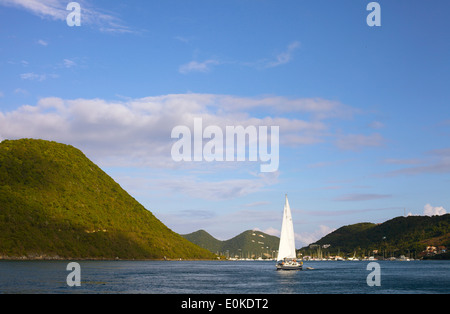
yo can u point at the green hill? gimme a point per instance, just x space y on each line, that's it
204 240
398 236
56 203
248 244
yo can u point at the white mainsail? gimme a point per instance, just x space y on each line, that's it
287 240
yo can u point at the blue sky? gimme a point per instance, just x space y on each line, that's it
363 111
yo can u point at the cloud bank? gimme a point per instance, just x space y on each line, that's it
138 131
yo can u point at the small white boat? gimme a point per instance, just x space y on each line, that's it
287 256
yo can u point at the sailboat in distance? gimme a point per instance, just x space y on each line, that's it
287 256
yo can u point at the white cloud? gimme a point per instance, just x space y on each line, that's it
307 238
284 57
195 66
56 10
42 42
318 107
69 63
37 77
272 231
183 39
429 210
278 60
21 91
32 76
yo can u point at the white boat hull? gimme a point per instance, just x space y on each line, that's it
289 266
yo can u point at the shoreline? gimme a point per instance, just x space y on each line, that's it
54 258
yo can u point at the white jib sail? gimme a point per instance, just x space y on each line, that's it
287 240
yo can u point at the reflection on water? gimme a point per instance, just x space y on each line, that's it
287 281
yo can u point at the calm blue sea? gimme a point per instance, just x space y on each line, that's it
224 277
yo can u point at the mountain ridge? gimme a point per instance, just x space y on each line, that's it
394 237
247 244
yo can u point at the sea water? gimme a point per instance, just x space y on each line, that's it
224 277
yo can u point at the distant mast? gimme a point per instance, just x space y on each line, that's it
287 240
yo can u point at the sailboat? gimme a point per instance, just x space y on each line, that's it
287 257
